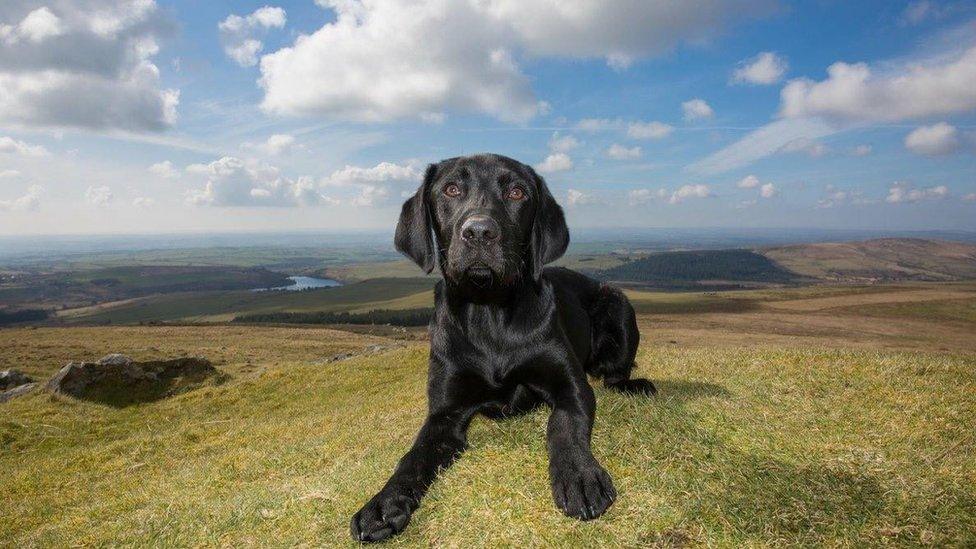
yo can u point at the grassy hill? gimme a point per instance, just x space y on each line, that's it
692 269
810 416
887 259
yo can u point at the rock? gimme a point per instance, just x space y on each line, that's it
118 380
13 378
17 391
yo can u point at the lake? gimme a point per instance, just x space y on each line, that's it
304 283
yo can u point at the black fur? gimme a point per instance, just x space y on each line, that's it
507 335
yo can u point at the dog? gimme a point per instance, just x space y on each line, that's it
507 335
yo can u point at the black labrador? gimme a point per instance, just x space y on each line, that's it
508 334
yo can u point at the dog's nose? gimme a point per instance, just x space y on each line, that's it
479 228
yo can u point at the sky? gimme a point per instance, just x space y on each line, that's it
142 116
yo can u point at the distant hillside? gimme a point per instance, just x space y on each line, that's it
880 260
689 269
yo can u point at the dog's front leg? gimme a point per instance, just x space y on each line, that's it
440 441
581 487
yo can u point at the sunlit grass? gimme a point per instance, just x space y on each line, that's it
763 446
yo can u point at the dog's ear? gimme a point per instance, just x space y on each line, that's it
550 235
413 233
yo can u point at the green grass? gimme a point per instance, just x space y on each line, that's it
379 293
951 310
744 447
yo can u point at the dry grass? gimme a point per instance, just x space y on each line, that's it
772 428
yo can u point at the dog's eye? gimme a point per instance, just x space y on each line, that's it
452 190
517 193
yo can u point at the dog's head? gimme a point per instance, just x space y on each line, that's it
488 220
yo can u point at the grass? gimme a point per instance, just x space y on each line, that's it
767 445
378 293
948 310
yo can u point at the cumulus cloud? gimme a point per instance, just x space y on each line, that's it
4 174
748 182
648 130
638 197
232 181
575 197
98 196
83 63
378 61
685 192
900 192
375 185
555 162
598 124
764 69
768 190
164 169
620 152
696 109
971 197
935 140
29 201
143 202
239 35
862 150
277 144
855 92
562 143
9 145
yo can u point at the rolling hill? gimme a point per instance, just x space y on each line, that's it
879 260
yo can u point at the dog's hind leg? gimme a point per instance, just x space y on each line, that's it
615 341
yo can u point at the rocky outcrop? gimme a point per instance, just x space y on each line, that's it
14 383
118 380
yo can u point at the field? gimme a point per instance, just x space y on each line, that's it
839 416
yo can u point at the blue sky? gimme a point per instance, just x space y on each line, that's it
121 116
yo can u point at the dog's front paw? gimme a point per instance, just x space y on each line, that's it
385 515
583 492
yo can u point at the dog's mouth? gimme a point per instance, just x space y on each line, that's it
479 275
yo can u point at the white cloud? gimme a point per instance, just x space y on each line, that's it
83 63
935 140
649 130
30 201
637 197
379 61
764 69
562 143
696 109
143 202
748 182
371 195
276 144
598 124
971 197
164 169
854 92
761 143
9 174
768 190
232 181
918 12
238 34
809 147
10 145
40 24
620 152
384 172
689 191
862 150
555 162
900 192
576 197
98 196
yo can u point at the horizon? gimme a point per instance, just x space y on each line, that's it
170 117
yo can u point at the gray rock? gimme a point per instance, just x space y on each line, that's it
17 391
119 381
13 378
